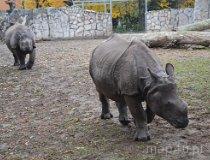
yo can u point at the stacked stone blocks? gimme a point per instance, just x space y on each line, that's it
65 23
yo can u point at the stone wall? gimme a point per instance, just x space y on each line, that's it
202 10
169 19
2 16
65 23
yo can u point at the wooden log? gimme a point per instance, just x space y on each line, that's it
198 26
171 39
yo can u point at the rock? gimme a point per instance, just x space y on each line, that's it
87 27
99 26
3 147
79 32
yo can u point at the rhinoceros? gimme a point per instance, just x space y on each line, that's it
21 41
129 73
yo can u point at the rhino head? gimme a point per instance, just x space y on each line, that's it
163 100
26 44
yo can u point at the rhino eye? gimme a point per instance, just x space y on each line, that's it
169 104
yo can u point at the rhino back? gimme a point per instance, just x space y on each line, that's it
120 67
145 59
103 62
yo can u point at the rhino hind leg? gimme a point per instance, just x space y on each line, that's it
105 107
140 118
16 60
123 113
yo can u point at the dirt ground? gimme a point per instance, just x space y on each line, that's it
52 111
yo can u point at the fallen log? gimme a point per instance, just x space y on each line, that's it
198 26
181 39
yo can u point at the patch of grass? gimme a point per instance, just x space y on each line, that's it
194 80
103 140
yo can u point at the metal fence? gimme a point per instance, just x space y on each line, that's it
107 4
128 21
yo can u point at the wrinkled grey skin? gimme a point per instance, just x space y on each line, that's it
129 73
21 41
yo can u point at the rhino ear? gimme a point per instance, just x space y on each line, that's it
154 76
170 69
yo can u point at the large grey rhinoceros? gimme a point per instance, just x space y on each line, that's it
21 41
129 73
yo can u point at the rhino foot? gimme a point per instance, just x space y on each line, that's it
106 115
22 67
29 65
142 135
124 121
16 64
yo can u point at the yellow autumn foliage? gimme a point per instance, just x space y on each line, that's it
118 9
31 4
164 4
188 3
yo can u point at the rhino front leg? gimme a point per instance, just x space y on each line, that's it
140 118
16 60
31 60
150 115
22 61
105 107
123 113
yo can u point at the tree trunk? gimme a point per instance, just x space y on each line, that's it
142 14
172 39
37 4
12 5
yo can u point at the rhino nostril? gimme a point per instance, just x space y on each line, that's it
181 123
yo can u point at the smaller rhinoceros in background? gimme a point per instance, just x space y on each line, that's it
21 41
129 73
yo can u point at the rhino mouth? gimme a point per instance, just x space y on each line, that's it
179 123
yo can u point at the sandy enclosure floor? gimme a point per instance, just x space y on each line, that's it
52 111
